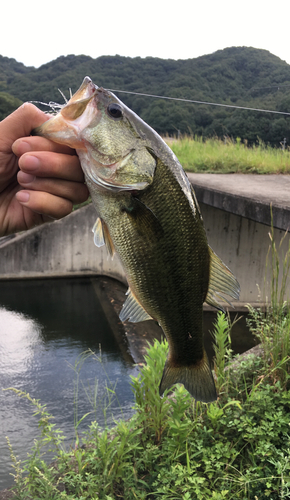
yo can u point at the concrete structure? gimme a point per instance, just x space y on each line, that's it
57 249
236 209
237 218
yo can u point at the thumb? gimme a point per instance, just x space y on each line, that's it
20 124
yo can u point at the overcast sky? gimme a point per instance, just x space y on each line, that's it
35 32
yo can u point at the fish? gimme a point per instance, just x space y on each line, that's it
147 214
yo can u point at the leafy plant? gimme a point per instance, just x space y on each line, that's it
230 449
146 389
50 440
222 348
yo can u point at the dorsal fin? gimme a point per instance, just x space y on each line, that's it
132 310
102 236
221 280
195 201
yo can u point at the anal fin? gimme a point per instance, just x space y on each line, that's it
132 310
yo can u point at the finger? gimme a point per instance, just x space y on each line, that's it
20 124
34 143
55 165
46 204
76 192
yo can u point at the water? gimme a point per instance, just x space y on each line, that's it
44 327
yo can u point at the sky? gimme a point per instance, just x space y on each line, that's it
35 33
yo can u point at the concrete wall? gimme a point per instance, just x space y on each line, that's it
66 248
60 248
249 196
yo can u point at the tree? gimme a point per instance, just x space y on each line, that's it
8 104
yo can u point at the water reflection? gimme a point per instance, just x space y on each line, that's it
44 327
66 308
20 335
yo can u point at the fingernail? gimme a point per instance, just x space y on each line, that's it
24 178
20 147
22 196
30 162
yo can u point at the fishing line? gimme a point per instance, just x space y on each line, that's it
201 102
277 86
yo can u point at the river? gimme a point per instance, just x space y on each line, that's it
45 326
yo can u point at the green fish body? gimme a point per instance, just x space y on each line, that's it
149 216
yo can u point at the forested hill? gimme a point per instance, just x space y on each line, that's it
240 76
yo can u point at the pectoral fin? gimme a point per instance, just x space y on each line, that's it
221 280
102 236
98 233
132 310
144 220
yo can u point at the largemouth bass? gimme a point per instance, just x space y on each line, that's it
148 214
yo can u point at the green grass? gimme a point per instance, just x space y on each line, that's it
229 156
174 448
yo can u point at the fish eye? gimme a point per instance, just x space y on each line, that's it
114 110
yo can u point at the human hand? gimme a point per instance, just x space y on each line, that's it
39 180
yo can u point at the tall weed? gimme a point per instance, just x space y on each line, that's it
146 389
214 155
222 350
272 325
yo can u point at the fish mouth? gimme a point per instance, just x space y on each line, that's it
69 127
86 90
65 127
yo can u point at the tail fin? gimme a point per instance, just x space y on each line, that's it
196 378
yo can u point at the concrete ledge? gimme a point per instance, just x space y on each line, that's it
249 196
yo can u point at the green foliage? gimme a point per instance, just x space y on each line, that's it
231 449
40 476
222 348
146 389
272 326
239 76
8 104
